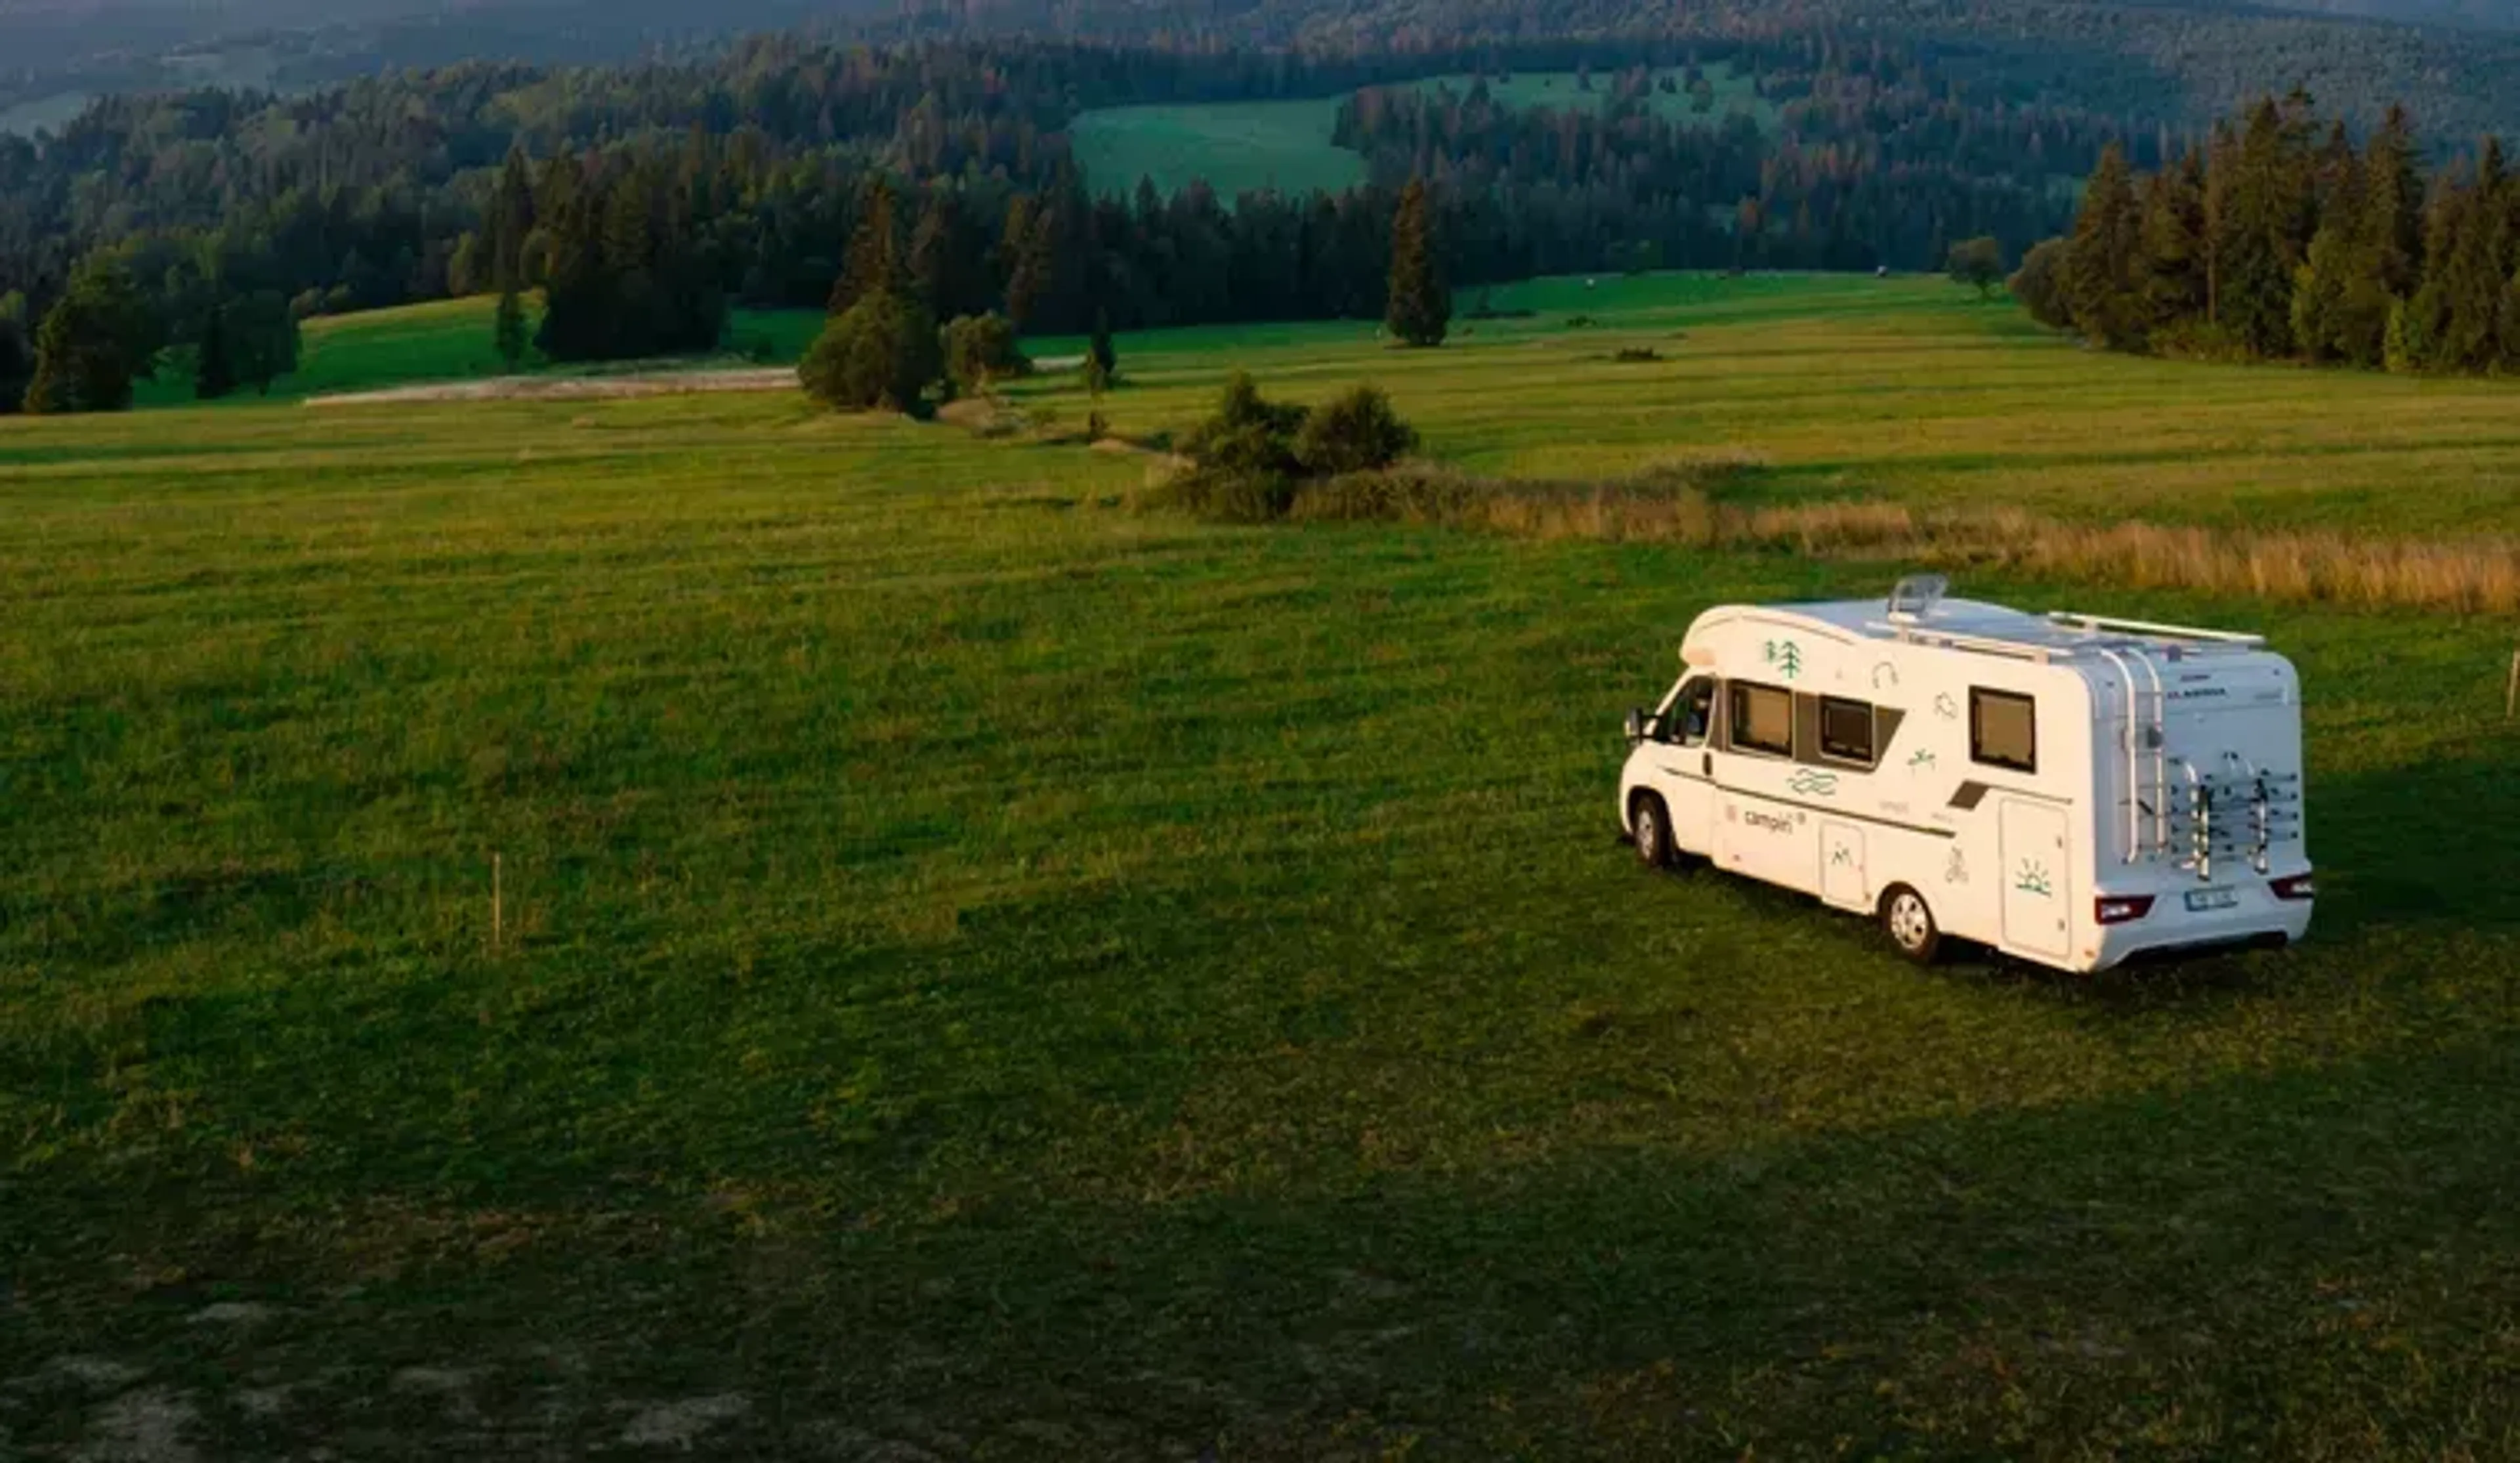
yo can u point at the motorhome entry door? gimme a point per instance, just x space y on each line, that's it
2038 877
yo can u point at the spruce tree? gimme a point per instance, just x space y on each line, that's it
2325 325
1102 357
937 252
511 220
2260 232
17 353
874 261
2100 264
2473 278
2170 238
2392 206
96 338
509 329
1032 249
262 338
214 369
1418 307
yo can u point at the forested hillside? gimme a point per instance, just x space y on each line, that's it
662 190
738 176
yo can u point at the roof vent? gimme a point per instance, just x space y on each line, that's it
1914 597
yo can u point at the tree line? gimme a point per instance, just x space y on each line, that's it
2280 238
647 200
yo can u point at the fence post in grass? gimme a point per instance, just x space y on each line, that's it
495 921
2512 689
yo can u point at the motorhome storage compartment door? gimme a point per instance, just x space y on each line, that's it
2037 884
1841 872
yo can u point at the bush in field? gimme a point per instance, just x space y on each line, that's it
1255 457
880 353
1354 432
980 350
1977 264
1248 436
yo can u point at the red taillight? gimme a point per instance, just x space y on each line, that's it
2297 887
2117 910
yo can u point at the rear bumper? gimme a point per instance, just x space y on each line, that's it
2264 921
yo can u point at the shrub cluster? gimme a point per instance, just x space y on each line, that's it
1255 456
980 350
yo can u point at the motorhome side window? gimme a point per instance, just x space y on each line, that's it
2003 730
1846 730
1762 719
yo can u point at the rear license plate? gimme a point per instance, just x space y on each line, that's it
2201 900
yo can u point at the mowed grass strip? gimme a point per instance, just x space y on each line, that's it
985 972
449 340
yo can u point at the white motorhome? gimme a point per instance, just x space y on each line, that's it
2068 789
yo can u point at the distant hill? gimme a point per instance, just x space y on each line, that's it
2456 62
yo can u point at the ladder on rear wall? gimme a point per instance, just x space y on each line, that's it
2174 809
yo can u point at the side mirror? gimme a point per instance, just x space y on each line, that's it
1635 725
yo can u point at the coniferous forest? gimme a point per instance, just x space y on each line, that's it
646 200
2281 236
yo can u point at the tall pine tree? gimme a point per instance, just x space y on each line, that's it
2473 277
1030 246
508 330
874 261
94 341
509 221
2172 243
2262 229
1418 309
2393 205
939 254
2100 287
214 372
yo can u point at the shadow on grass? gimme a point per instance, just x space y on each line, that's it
2297 1264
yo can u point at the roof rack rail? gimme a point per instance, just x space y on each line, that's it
2098 624
2027 650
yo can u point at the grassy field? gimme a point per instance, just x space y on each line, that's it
1243 146
448 340
976 972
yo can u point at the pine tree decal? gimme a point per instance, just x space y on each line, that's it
1421 306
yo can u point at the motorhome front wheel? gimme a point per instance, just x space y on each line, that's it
1652 831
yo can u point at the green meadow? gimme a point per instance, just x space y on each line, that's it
448 340
1234 147
698 924
1245 147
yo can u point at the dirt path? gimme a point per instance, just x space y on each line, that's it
573 387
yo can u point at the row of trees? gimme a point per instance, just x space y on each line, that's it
881 347
2280 238
102 334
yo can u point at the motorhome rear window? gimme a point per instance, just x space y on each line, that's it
2003 730
1762 719
1846 730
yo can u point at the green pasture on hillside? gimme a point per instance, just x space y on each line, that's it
1245 147
975 971
1234 147
451 340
